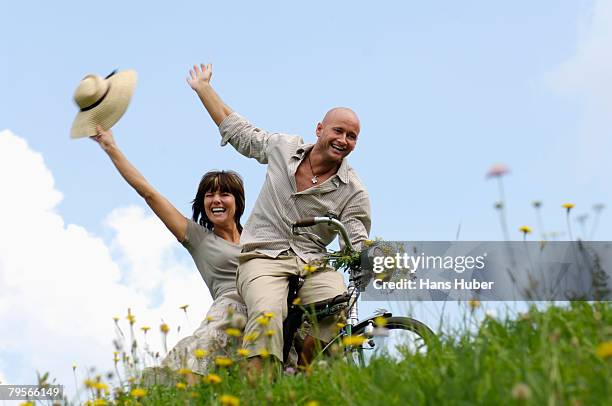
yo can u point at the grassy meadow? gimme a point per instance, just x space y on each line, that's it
553 355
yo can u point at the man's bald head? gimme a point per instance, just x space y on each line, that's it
343 113
337 134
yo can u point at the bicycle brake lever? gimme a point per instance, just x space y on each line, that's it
311 236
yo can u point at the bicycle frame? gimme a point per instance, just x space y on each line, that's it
366 326
353 310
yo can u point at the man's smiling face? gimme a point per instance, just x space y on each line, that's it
337 134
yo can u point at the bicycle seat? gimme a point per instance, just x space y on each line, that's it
328 307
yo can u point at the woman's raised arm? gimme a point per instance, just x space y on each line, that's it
167 213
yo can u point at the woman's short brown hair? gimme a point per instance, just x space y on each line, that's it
218 181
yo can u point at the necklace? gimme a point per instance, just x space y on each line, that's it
314 177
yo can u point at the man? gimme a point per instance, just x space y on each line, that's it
302 180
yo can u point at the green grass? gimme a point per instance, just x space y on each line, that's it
541 357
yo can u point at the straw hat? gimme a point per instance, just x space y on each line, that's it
102 101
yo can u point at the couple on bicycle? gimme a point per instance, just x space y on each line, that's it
247 270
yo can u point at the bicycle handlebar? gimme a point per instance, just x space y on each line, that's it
305 222
330 221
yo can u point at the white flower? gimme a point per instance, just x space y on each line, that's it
238 321
380 332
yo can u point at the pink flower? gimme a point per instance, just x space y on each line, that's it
497 170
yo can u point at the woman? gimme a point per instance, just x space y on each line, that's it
212 237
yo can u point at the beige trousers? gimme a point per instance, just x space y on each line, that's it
263 283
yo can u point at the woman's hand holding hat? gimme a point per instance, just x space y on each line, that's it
104 138
102 101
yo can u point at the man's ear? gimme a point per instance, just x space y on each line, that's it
319 129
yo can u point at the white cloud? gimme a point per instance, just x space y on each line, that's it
142 240
61 285
587 74
589 70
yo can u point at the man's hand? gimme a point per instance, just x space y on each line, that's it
199 80
104 138
199 77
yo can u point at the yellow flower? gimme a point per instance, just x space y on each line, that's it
90 383
243 352
26 404
525 229
250 337
340 325
138 392
116 319
380 321
232 332
473 303
270 333
264 353
269 315
223 362
131 317
312 403
297 301
145 329
199 353
210 318
164 328
184 308
604 350
262 320
310 268
100 386
181 386
100 402
74 366
568 206
353 340
368 243
184 371
212 378
229 400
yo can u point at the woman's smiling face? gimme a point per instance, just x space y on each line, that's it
220 207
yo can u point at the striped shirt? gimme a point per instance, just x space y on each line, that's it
279 205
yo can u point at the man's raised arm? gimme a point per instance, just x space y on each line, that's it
199 80
247 139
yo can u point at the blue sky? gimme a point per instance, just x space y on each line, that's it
443 89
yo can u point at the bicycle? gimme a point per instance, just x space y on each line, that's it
377 331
